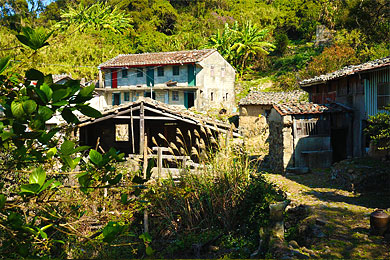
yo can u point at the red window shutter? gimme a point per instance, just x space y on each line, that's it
114 79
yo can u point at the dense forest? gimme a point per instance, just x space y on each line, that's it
267 41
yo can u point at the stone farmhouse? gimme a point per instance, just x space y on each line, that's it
365 88
202 79
255 108
301 135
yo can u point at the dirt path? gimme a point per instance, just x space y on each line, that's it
346 215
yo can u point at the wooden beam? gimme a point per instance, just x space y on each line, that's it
108 116
147 117
128 110
171 115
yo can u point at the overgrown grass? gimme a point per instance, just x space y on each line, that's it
223 204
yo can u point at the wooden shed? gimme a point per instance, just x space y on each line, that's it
124 127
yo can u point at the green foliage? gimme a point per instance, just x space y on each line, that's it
241 44
379 129
281 43
34 38
98 16
28 102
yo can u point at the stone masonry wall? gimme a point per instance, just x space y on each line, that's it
281 143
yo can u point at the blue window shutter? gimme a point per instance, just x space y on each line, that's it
150 77
113 99
191 75
167 97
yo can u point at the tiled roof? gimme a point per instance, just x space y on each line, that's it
310 108
348 70
195 118
166 58
270 98
59 77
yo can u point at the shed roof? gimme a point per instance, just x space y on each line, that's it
270 98
59 77
348 70
157 58
168 110
309 108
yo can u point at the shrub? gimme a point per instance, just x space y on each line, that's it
379 129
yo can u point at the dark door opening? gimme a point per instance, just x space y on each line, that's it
339 144
189 99
116 99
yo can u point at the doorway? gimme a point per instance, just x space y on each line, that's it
116 99
339 144
189 99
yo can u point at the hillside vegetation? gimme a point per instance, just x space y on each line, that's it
272 40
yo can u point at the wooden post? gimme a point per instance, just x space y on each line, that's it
141 127
145 152
159 161
132 129
145 149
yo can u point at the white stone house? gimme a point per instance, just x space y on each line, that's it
202 79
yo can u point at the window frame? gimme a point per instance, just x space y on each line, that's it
126 96
176 70
122 138
160 71
124 73
383 85
175 95
140 72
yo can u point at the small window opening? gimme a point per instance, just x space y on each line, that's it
176 70
121 132
175 96
160 71
124 73
140 72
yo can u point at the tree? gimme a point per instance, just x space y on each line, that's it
240 44
32 217
98 16
379 129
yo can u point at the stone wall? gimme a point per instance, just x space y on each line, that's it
254 127
281 143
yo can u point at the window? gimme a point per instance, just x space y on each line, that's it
124 73
383 96
175 95
212 70
222 72
127 96
212 96
312 127
140 72
226 96
151 95
160 71
176 70
122 132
